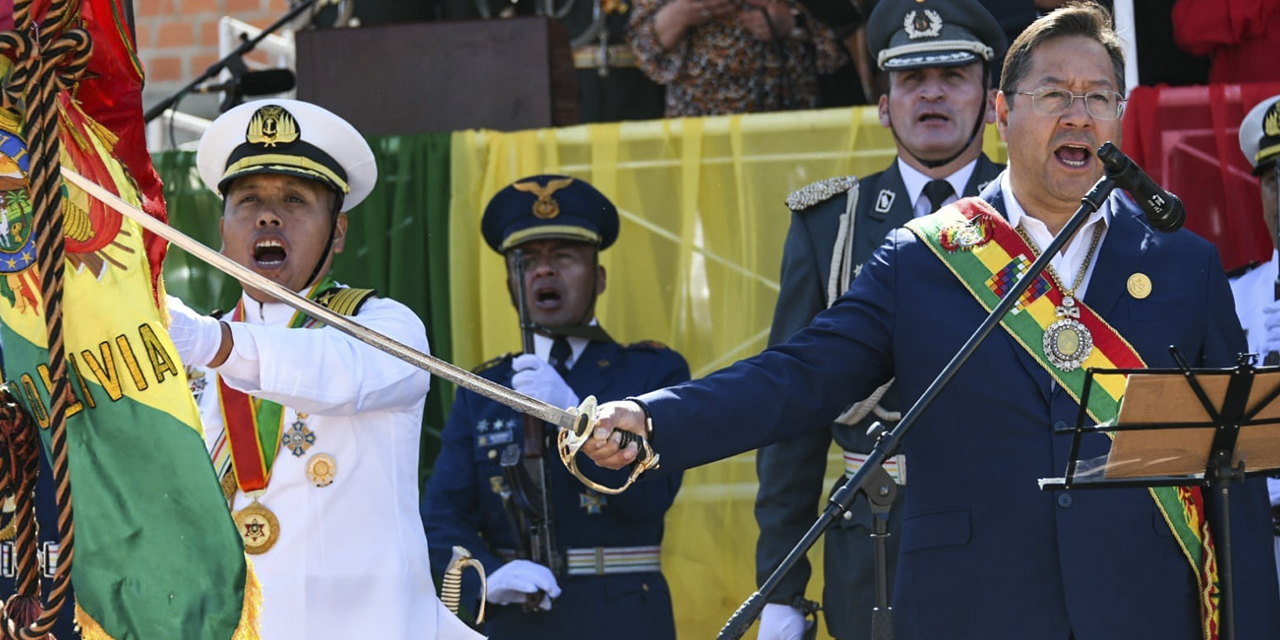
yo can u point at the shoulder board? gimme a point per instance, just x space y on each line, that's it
489 364
819 192
1239 271
648 345
345 300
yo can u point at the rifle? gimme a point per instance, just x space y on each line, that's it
529 506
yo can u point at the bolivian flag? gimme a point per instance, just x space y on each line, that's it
156 552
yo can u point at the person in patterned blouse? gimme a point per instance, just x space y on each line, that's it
733 56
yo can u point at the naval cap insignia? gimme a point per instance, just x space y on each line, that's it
1271 124
272 125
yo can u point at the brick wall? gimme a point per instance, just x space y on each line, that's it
178 40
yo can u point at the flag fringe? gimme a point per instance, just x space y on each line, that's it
250 613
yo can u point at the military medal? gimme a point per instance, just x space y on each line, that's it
258 527
253 429
1067 342
298 438
321 469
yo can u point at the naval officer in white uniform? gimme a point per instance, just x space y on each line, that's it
314 434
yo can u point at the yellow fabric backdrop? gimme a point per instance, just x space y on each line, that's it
696 267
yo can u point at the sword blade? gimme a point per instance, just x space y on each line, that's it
431 364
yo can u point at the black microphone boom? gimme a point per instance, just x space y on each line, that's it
1164 210
254 83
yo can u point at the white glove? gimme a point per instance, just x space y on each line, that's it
781 622
197 337
536 378
516 580
1270 322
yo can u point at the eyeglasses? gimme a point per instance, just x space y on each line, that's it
1055 101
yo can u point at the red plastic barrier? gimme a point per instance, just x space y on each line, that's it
1181 136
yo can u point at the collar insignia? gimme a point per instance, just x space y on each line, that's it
885 200
922 24
272 125
545 206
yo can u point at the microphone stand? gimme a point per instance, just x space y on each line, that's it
230 60
890 442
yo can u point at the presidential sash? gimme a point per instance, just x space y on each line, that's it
989 257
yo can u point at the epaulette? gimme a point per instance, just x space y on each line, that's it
489 364
648 345
819 192
1239 271
345 300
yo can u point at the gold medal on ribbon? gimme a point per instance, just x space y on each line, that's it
258 527
321 468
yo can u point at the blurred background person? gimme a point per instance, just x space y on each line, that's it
1256 291
733 56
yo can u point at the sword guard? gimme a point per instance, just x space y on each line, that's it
569 442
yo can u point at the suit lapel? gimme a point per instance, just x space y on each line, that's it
1121 253
994 196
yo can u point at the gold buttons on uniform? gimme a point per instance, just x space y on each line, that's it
321 468
1139 285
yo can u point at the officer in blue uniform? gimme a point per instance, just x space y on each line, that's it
608 545
937 106
985 553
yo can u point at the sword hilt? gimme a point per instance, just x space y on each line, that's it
569 441
451 584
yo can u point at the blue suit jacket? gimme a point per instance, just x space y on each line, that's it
984 553
462 508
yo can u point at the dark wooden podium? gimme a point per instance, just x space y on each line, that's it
509 74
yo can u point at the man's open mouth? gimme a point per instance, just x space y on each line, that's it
1074 154
269 253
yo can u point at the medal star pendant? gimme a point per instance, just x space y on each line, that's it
258 527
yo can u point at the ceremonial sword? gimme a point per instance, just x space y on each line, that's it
575 425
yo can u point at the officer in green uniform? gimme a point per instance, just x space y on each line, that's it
938 56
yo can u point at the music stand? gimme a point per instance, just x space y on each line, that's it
1183 427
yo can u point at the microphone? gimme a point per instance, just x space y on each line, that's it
1164 210
253 83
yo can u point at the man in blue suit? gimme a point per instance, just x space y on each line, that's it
608 546
984 553
938 104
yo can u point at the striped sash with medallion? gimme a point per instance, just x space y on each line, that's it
988 256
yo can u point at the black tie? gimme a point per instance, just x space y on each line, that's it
937 191
560 354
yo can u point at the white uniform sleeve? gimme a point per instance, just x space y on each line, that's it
325 371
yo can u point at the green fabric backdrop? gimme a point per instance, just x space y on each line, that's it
397 243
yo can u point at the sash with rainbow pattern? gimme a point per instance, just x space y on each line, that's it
989 257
